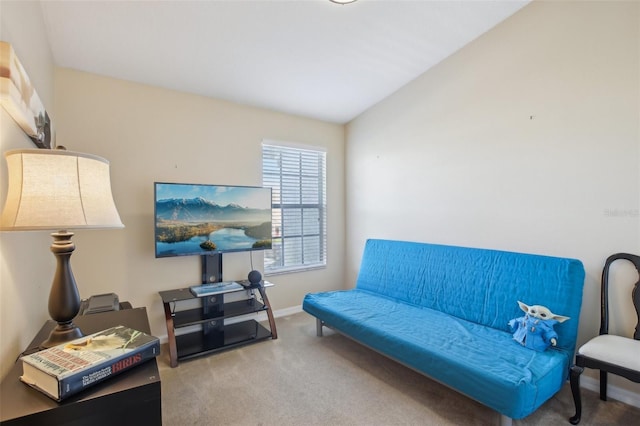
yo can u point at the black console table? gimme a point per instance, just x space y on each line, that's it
212 334
128 399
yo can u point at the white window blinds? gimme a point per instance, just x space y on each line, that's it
298 181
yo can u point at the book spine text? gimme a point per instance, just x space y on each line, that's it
77 382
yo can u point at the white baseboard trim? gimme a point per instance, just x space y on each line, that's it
613 392
262 316
287 311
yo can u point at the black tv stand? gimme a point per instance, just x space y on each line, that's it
212 334
211 268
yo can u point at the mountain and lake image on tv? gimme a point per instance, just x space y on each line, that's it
200 219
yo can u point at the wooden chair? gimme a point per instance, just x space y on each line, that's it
609 353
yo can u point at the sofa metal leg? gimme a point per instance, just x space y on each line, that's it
574 377
505 421
318 327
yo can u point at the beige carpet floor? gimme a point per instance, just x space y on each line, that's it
301 379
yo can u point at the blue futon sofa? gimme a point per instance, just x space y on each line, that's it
444 311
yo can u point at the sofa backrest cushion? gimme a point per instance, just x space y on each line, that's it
479 285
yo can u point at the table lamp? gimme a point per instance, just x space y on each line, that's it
59 190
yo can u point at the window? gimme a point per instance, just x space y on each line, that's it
298 181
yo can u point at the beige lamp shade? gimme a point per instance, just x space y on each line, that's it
58 189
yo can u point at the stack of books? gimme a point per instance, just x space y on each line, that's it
66 369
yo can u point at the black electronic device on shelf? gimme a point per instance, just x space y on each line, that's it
100 303
255 277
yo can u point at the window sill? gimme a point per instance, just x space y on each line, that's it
293 270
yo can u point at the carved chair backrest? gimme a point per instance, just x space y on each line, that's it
604 296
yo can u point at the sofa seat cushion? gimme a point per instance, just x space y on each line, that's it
483 363
478 285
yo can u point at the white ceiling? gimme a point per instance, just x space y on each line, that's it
311 58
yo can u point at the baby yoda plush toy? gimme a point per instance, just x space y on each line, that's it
535 329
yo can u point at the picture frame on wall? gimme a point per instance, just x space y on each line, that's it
20 99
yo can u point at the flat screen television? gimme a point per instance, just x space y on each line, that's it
201 219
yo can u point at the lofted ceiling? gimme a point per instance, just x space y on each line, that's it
312 58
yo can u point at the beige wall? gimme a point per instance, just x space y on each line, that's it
26 264
525 140
150 134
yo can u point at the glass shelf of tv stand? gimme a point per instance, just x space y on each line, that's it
237 334
212 334
197 316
